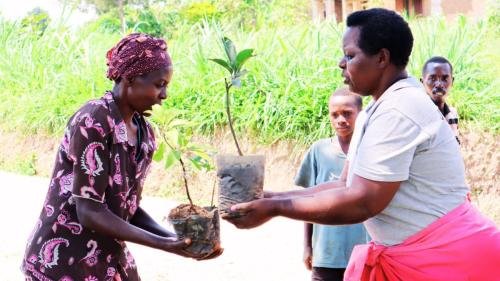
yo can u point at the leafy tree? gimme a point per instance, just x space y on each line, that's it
105 6
36 21
194 12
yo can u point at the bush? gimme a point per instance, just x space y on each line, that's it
36 21
153 21
143 20
195 12
257 14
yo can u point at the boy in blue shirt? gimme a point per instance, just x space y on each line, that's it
327 248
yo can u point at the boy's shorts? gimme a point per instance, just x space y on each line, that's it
327 274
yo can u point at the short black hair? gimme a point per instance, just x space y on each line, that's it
437 59
358 101
382 28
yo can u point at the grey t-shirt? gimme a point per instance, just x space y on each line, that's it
403 137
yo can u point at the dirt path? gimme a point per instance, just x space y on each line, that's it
269 253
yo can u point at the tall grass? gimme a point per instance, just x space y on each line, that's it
285 93
44 79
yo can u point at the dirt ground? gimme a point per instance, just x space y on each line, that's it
272 252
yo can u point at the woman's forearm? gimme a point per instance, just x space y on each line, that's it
144 221
331 206
96 216
306 191
346 205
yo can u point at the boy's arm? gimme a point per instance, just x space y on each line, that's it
306 177
308 252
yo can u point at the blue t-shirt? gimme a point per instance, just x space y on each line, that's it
332 245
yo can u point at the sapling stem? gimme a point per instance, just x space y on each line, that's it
230 120
184 173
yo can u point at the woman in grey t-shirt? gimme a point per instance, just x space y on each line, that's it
405 178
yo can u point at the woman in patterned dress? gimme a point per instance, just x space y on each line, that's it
92 204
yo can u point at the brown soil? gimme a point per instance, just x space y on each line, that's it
201 226
186 210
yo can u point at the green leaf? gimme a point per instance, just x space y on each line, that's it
240 73
201 154
172 136
182 141
200 163
158 156
196 163
172 158
180 123
230 51
202 150
242 57
222 63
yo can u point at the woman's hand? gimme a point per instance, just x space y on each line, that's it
178 247
175 246
217 252
255 213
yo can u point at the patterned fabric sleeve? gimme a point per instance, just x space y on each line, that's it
90 153
306 176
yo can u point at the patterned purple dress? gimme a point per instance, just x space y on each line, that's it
96 162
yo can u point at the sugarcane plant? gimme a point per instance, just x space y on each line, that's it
233 64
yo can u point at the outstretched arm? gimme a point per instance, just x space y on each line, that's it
96 216
143 220
364 199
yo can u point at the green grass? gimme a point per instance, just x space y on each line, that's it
45 79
